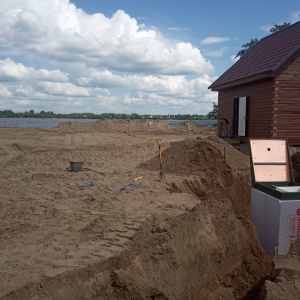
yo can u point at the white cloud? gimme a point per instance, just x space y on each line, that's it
178 29
266 28
60 31
216 53
4 91
233 58
12 71
214 40
294 18
176 86
9 70
56 53
67 89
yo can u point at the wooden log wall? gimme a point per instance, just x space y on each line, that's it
286 122
273 103
260 109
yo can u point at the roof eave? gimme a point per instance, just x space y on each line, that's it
269 74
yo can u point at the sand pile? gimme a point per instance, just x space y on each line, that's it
186 238
159 127
285 280
116 125
209 168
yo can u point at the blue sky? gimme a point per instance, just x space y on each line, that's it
133 56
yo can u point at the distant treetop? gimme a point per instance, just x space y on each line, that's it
246 47
279 27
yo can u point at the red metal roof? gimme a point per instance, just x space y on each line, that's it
265 57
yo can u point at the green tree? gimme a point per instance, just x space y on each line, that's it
279 27
246 47
214 113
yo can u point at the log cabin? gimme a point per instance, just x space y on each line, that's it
260 93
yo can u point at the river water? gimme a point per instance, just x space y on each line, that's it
51 123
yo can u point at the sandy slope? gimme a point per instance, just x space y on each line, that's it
78 235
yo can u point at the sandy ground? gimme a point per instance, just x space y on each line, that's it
115 231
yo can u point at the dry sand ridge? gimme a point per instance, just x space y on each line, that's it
99 234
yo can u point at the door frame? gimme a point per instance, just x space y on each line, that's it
240 111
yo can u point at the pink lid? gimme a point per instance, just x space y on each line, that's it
270 160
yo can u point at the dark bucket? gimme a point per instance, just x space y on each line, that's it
75 166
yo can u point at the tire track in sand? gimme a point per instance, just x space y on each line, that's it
9 153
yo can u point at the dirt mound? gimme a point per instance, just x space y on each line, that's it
285 281
116 125
209 168
207 253
187 238
191 126
146 126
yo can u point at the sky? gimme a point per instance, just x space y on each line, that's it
125 56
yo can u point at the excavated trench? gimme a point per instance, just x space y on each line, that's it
207 253
210 252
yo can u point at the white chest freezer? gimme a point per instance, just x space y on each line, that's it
275 198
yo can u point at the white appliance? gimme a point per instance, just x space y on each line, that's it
275 198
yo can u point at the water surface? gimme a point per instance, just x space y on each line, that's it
53 122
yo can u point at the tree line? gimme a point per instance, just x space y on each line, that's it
50 114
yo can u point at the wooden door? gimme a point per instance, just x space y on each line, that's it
239 120
242 116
